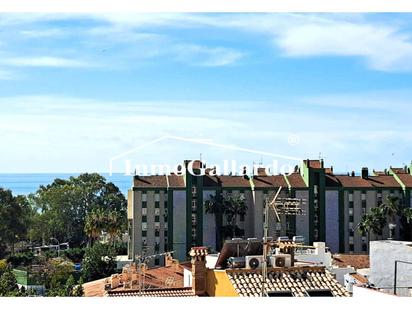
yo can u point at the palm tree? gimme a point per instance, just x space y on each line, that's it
94 223
113 224
235 205
374 222
215 206
391 208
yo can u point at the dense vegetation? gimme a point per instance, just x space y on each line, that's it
78 211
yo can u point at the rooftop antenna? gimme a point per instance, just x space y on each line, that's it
200 157
280 206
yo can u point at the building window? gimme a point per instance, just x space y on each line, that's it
350 197
144 204
144 197
194 190
144 211
363 196
157 212
157 197
351 233
157 204
365 247
165 234
351 247
144 218
351 218
350 211
157 233
144 226
144 233
157 218
194 206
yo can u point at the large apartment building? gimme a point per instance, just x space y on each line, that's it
166 212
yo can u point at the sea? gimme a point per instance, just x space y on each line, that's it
24 184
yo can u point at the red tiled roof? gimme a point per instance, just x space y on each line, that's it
383 181
296 180
168 292
347 181
359 278
406 179
357 261
176 181
399 170
269 181
150 181
225 181
155 278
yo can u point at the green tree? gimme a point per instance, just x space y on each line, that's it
78 290
57 271
8 284
234 206
65 205
230 205
215 205
13 219
99 262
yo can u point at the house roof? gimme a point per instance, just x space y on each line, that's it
154 278
383 181
297 280
356 261
359 278
269 181
296 180
176 181
168 292
380 181
406 179
157 181
226 181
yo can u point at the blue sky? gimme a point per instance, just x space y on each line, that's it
76 90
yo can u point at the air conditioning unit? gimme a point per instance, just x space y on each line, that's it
254 261
281 260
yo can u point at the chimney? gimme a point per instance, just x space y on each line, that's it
353 174
261 171
321 163
365 173
171 262
199 270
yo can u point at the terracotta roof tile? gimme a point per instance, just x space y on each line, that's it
296 180
157 277
150 181
269 181
297 280
176 181
168 292
383 181
225 181
406 179
356 261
